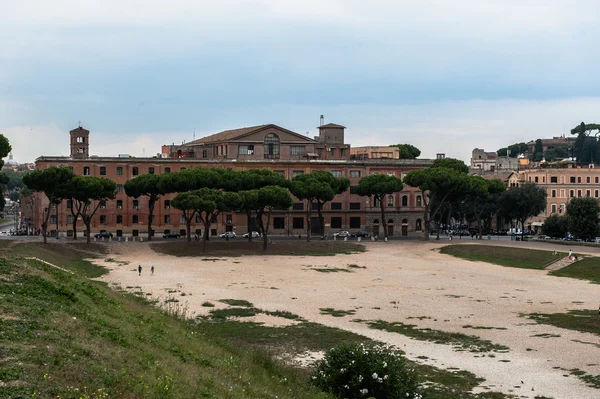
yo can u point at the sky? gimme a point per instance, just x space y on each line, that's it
445 76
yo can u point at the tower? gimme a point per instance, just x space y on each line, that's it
80 143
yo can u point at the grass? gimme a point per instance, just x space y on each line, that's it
460 341
512 257
331 270
578 320
234 248
237 302
355 266
337 313
62 335
585 269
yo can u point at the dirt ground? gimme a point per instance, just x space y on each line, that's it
401 280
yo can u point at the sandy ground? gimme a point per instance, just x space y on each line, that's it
434 290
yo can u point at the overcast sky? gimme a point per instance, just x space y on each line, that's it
446 76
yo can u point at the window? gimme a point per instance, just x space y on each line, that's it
553 179
119 171
596 193
578 179
198 219
336 222
271 146
587 193
331 152
553 193
204 154
298 150
119 204
297 173
536 179
355 173
315 206
418 225
572 179
102 204
86 170
119 219
579 193
355 222
151 170
342 152
298 206
135 233
336 173
336 206
419 200
353 190
213 219
376 202
229 219
571 193
167 204
119 188
102 170
167 219
69 219
596 179
588 179
390 173
355 206
167 170
390 200
102 219
298 223
278 223
80 139
553 208
136 204
52 219
69 204
135 171
134 219
245 150
543 179
405 200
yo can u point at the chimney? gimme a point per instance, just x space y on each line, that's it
322 120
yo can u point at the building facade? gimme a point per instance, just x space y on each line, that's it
272 149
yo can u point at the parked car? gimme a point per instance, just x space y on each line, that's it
228 234
103 234
255 234
363 234
342 234
171 235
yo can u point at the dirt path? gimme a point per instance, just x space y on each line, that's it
409 282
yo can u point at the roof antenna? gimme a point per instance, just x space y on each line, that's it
322 120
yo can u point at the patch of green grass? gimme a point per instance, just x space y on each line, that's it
546 335
513 257
234 312
483 327
578 320
244 248
355 266
283 314
457 340
331 270
589 379
337 313
236 302
208 304
585 269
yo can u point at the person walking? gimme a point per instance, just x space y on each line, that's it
139 270
152 270
570 254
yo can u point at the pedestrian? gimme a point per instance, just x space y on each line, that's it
152 270
139 270
570 254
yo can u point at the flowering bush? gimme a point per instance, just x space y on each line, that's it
357 371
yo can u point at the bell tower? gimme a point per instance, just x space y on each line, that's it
80 143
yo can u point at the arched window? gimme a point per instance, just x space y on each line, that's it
204 154
418 225
271 146
419 201
375 221
390 200
391 221
405 200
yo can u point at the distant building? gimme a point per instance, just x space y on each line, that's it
550 144
483 162
375 152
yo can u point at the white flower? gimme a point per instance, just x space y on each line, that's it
385 377
346 387
364 391
374 376
384 364
342 370
360 378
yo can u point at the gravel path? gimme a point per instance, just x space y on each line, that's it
410 282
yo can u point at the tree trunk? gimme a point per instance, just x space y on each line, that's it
151 202
249 217
74 220
188 229
308 219
439 223
88 222
321 220
45 224
480 233
205 235
383 222
426 220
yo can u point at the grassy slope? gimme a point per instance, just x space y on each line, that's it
579 320
240 247
513 257
585 269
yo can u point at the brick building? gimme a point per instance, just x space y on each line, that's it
260 147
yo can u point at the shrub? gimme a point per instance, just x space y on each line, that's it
357 371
